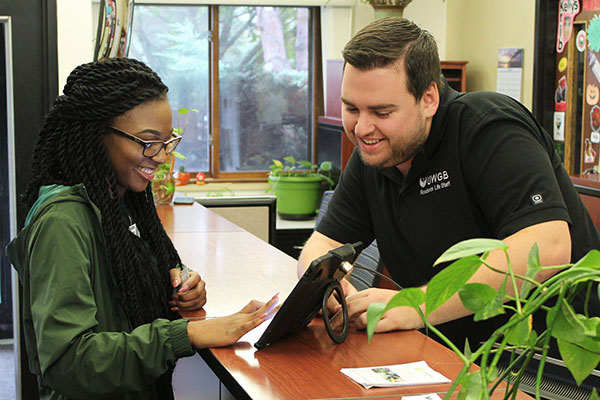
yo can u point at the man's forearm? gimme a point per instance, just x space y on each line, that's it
554 242
317 245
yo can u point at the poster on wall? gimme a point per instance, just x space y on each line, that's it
113 31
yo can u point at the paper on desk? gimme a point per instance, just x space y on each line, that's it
417 373
430 396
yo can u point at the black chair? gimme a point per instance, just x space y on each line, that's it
369 258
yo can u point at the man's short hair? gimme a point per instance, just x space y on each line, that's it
389 41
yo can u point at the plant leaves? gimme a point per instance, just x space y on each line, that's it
594 395
574 328
579 361
471 386
306 164
533 266
374 313
290 159
449 281
470 247
482 300
518 335
326 166
411 297
277 164
590 260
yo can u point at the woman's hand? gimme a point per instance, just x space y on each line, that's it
224 331
191 296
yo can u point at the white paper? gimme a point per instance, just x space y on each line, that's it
430 396
411 374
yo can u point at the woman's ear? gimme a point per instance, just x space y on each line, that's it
430 100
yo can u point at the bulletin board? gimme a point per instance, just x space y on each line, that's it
576 125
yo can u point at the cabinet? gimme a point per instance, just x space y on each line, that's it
455 73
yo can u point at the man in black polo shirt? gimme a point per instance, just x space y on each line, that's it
433 167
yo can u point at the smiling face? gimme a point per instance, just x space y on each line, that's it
148 121
387 124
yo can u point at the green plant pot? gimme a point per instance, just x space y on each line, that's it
297 197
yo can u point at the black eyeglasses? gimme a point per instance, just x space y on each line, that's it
152 147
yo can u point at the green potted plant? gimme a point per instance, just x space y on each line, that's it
163 183
298 186
577 335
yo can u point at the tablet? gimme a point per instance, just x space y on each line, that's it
306 299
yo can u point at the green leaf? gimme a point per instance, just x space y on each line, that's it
277 164
325 166
472 387
470 247
411 297
179 155
290 159
594 395
590 260
482 300
518 335
581 362
306 164
574 328
533 267
449 281
184 110
374 313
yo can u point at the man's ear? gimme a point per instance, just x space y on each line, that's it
430 100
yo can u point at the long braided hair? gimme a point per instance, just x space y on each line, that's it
70 150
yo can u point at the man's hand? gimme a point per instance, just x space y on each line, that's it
191 296
333 303
399 318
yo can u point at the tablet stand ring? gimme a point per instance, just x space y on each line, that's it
338 338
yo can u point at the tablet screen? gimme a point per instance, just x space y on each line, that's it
306 299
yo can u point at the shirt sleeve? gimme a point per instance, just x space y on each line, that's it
76 359
511 173
348 217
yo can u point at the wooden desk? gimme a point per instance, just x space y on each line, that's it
237 267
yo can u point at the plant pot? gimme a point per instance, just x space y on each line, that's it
297 196
163 189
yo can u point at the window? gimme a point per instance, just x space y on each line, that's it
246 69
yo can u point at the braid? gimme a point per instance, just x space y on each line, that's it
70 150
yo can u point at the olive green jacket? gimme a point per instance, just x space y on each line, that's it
80 345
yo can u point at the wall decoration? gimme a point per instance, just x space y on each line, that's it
510 72
590 5
567 10
562 64
114 28
580 41
589 152
592 94
559 126
560 96
593 34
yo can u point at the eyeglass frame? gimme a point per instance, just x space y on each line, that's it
145 143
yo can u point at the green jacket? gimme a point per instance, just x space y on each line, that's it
80 345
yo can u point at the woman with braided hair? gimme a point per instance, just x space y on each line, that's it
97 268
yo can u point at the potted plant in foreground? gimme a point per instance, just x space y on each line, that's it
577 335
298 186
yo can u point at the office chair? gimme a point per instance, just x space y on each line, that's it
368 258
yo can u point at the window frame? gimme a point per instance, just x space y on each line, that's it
315 89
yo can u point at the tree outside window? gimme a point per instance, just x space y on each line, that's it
260 96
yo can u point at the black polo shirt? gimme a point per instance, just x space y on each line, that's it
488 169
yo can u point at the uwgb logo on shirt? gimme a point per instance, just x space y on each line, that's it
436 181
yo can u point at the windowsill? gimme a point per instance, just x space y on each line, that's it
225 189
